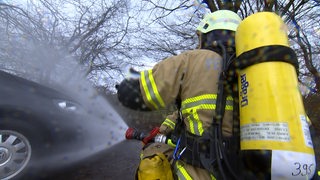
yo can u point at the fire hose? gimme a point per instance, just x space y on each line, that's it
152 136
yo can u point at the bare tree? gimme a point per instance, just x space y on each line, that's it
108 36
18 27
41 34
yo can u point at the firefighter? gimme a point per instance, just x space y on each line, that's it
190 79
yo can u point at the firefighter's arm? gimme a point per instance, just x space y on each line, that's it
160 86
169 123
154 88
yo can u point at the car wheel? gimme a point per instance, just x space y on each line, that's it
15 153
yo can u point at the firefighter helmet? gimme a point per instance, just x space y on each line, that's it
219 20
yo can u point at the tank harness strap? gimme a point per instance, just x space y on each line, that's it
198 151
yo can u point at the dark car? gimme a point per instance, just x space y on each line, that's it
43 129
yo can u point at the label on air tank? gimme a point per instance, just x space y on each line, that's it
292 165
273 131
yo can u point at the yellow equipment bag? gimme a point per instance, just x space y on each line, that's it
155 167
155 162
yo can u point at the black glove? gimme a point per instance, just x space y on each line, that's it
129 95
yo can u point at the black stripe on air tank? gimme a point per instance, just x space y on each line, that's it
267 54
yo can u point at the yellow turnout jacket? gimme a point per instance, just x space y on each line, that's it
192 76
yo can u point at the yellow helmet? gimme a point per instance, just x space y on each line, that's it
219 20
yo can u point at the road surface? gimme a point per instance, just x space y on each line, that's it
116 163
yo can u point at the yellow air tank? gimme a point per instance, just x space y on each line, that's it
275 138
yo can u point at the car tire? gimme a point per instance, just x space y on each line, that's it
30 135
15 153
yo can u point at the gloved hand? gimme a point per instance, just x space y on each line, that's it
127 90
165 130
129 95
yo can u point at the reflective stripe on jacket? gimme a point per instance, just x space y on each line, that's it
188 172
192 76
170 123
181 172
